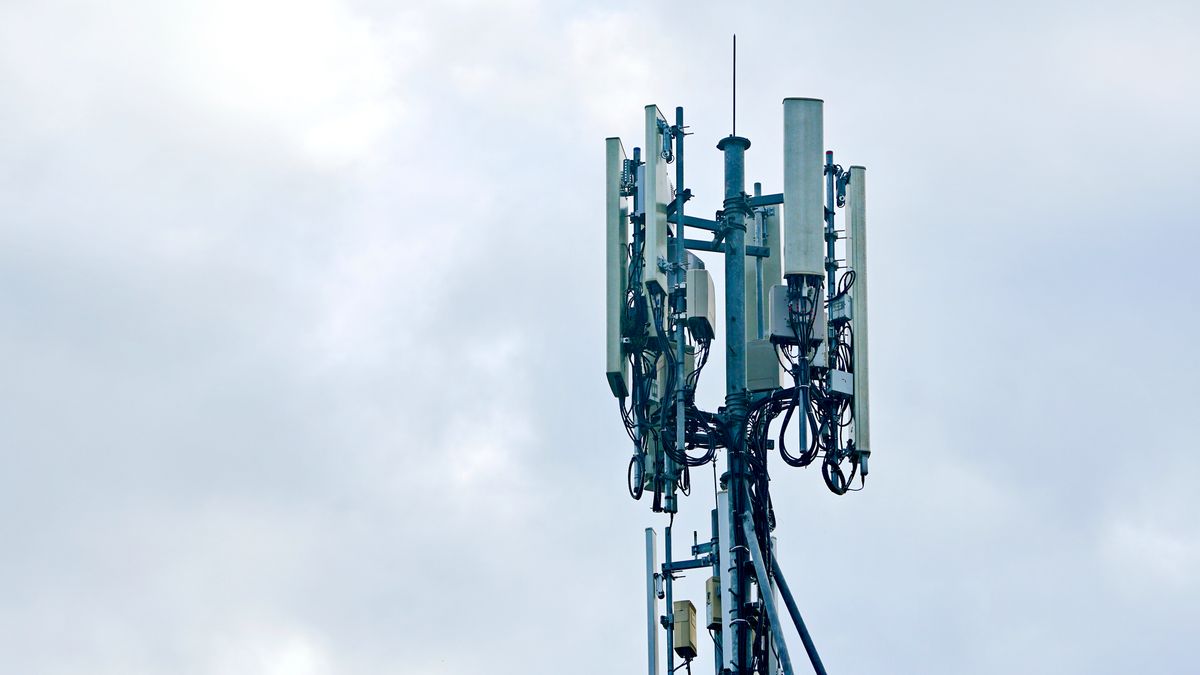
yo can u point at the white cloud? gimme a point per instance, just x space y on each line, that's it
313 71
1147 554
301 334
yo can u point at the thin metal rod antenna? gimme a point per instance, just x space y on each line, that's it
734 93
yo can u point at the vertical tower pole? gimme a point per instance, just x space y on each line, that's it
678 293
718 556
678 300
735 209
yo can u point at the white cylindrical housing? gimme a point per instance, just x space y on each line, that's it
856 245
803 187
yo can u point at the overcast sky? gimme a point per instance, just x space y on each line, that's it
301 332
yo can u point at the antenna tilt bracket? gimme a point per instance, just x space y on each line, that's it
667 152
843 179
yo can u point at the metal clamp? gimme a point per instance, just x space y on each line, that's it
740 203
666 153
843 179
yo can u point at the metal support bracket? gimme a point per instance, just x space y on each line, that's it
671 207
765 200
696 563
718 247
692 221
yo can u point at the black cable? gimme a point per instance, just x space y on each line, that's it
843 285
839 485
634 478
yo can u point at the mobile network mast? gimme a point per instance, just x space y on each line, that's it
796 357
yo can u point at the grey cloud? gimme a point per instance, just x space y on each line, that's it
278 403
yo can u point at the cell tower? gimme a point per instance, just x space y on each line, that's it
796 357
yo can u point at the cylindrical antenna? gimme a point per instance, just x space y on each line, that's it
803 202
734 93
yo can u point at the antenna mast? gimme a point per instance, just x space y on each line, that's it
662 322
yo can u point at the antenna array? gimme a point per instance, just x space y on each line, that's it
796 365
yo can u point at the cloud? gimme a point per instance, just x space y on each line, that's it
301 336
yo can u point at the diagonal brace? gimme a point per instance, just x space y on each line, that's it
764 588
809 647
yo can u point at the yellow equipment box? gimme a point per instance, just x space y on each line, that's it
685 629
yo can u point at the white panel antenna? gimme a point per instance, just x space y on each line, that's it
616 227
856 197
658 195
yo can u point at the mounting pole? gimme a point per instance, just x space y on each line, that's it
678 294
678 301
831 266
718 648
651 603
735 209
760 229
